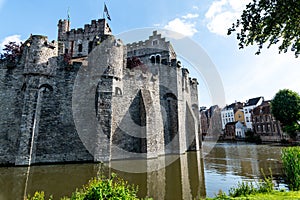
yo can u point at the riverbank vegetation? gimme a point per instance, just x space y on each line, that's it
265 189
291 165
98 188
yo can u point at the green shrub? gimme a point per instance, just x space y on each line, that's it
38 196
266 185
291 165
247 188
106 188
99 188
242 189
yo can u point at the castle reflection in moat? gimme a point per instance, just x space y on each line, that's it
182 179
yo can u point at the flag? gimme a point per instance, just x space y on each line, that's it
106 12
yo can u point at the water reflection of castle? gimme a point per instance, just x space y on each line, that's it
183 179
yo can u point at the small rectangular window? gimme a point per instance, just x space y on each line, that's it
155 42
79 47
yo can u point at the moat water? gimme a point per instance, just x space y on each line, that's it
219 166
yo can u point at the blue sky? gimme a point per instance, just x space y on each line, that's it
244 75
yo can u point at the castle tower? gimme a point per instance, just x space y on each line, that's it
80 42
107 60
40 59
63 28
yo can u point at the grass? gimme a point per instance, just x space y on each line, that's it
275 195
263 189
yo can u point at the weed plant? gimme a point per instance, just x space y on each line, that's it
291 164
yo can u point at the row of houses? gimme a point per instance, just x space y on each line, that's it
235 120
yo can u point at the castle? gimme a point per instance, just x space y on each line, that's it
88 97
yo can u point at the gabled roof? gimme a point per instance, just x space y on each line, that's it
231 123
263 109
235 106
253 102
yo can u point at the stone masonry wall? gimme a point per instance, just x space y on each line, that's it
96 109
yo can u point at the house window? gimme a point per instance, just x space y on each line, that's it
247 119
246 111
269 128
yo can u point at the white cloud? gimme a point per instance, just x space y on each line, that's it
182 26
185 25
215 8
221 23
12 38
190 16
222 13
196 7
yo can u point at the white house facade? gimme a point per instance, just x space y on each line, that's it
248 107
227 115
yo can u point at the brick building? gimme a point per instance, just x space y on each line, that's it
265 125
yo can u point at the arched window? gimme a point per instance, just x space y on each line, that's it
157 59
46 87
152 58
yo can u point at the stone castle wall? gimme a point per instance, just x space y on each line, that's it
96 108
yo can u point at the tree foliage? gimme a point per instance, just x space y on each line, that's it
270 22
12 52
286 108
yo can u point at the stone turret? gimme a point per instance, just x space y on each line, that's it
80 42
63 28
38 55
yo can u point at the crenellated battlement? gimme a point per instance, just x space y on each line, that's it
154 41
80 42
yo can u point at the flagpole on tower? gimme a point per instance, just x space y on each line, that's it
105 11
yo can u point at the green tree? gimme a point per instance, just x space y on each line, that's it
269 22
12 52
286 108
